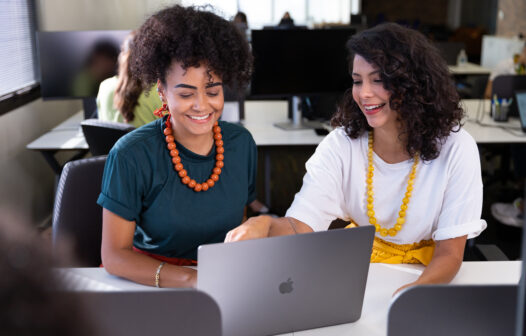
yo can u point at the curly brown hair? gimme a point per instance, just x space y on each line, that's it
422 90
192 36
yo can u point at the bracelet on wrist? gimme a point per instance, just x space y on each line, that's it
158 274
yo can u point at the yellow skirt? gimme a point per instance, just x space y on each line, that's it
391 253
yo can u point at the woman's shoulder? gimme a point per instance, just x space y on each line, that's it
108 85
339 138
460 139
234 132
460 145
140 140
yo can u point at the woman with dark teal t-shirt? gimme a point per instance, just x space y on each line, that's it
183 180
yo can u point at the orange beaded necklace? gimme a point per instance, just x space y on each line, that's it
178 166
405 201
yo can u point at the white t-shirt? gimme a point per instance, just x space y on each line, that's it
446 201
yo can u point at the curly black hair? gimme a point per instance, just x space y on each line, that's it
192 36
422 90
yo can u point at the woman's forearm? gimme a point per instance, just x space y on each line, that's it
286 226
142 269
446 261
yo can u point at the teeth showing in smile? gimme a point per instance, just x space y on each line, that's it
200 118
373 107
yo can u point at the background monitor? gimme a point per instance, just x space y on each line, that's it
73 63
299 62
505 86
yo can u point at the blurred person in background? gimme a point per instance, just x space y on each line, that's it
122 99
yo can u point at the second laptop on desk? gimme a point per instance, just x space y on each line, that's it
290 283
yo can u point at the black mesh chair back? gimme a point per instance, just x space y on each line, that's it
102 135
77 218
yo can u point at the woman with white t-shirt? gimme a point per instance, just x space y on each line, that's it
397 159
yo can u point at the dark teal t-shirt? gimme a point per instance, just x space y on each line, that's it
141 185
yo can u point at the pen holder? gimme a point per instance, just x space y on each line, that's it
500 112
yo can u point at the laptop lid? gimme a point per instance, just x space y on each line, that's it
182 312
289 283
454 310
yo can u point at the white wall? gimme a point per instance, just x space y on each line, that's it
26 180
96 14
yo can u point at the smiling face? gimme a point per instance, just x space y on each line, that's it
195 100
370 95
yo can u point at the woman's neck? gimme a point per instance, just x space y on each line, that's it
201 144
389 146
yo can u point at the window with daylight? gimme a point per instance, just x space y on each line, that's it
18 69
269 12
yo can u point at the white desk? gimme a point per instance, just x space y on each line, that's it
382 281
484 130
261 116
469 69
260 119
67 136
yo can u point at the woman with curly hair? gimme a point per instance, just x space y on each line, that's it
398 158
183 180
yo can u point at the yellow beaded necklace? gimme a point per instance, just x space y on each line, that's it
403 208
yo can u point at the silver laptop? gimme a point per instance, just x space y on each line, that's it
454 310
290 283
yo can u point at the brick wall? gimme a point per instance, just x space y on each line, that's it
512 18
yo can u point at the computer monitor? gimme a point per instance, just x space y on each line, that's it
298 63
505 86
74 63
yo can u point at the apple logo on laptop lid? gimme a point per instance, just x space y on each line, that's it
286 286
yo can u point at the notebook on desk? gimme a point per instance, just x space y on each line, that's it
290 283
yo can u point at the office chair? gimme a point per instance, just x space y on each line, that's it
102 135
77 218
